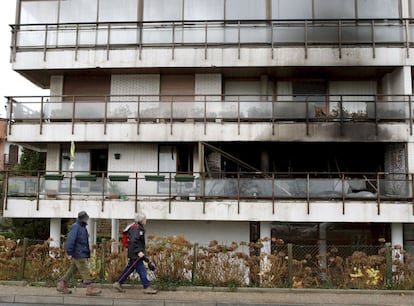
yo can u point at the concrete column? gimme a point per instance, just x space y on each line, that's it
405 9
398 81
55 230
407 87
266 232
114 234
92 231
322 246
395 161
264 82
397 238
410 157
264 161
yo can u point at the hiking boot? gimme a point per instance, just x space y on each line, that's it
118 287
149 290
92 291
61 287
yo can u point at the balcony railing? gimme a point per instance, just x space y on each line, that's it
340 109
272 34
240 186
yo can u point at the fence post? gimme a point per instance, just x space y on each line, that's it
388 261
290 267
23 262
195 260
102 271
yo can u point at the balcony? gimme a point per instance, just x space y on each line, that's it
340 113
146 187
238 34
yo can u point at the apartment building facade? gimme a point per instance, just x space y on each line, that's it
226 120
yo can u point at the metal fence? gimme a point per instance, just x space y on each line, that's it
178 261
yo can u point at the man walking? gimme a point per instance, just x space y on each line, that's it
78 252
136 255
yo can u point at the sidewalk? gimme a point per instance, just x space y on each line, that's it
19 292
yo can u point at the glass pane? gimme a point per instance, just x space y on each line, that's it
245 9
124 34
292 9
293 33
255 34
292 110
78 11
89 110
378 9
334 9
80 165
154 35
243 90
167 159
66 36
157 10
255 110
87 35
393 110
204 10
191 34
361 33
322 34
412 8
31 36
22 186
39 12
389 33
125 10
215 33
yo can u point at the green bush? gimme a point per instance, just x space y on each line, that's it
8 235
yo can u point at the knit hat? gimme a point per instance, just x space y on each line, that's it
140 217
83 216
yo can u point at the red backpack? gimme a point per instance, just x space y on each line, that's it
125 234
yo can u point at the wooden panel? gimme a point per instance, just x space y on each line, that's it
179 86
91 88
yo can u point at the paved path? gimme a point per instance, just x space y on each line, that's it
203 296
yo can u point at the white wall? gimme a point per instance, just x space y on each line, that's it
202 232
134 157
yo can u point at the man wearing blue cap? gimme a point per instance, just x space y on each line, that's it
78 252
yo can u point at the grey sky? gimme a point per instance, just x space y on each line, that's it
12 83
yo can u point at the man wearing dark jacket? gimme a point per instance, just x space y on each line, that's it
136 255
78 252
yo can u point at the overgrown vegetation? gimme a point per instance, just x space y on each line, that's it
180 263
31 162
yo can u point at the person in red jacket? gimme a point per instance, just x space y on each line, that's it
78 252
136 255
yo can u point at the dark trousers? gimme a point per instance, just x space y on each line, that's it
138 265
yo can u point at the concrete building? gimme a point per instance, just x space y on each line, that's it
220 119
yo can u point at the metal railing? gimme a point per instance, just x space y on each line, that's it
237 186
338 33
210 108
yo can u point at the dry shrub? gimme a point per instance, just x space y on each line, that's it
9 263
364 271
273 270
172 256
335 271
306 272
403 269
43 262
115 261
221 265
